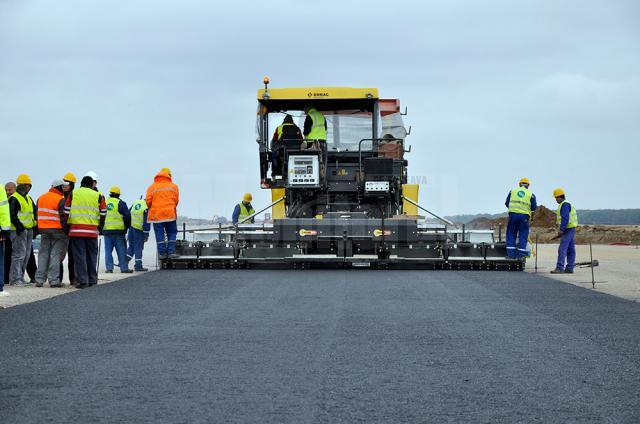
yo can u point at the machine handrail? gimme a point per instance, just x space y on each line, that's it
373 139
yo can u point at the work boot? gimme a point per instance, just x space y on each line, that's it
162 256
39 284
142 269
126 271
568 271
557 271
174 256
109 271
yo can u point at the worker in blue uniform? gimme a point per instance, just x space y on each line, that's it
521 203
567 220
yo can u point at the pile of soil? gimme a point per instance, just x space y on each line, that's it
544 227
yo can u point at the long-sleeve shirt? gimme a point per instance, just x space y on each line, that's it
534 202
235 217
308 123
14 209
126 217
565 212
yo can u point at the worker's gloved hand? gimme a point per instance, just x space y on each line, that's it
146 238
5 234
560 233
100 230
36 231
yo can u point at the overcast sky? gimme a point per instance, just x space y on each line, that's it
496 90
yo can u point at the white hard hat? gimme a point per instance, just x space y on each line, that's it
92 175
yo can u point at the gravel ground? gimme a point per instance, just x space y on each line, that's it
322 346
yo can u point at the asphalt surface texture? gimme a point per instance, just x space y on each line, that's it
322 346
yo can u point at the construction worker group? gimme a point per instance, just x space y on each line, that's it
522 204
69 220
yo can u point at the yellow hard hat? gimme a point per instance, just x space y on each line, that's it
167 170
70 177
247 197
558 192
23 179
525 181
114 190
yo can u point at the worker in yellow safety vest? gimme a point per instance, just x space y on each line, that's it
23 214
521 203
138 233
86 210
116 224
243 210
5 232
567 220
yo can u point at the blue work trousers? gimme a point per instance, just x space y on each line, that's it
136 245
118 242
517 228
567 250
166 233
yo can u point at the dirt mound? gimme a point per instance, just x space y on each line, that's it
544 227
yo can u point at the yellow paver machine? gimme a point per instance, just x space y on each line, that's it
340 198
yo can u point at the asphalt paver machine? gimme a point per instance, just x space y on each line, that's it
343 203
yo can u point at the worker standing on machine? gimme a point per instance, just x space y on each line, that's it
243 210
315 132
287 131
567 220
521 203
162 200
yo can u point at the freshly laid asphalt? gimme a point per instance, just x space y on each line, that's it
322 346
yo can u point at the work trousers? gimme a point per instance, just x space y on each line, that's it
567 250
21 249
166 245
517 228
136 246
85 256
53 246
119 242
72 272
2 265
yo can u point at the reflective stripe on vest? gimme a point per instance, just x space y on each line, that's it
85 207
48 215
520 201
137 214
244 212
114 219
573 216
318 131
25 216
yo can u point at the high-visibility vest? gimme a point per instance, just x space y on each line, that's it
137 214
5 212
245 212
520 201
318 131
25 216
114 219
573 216
48 212
280 128
85 207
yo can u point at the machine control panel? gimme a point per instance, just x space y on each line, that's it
304 170
376 186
